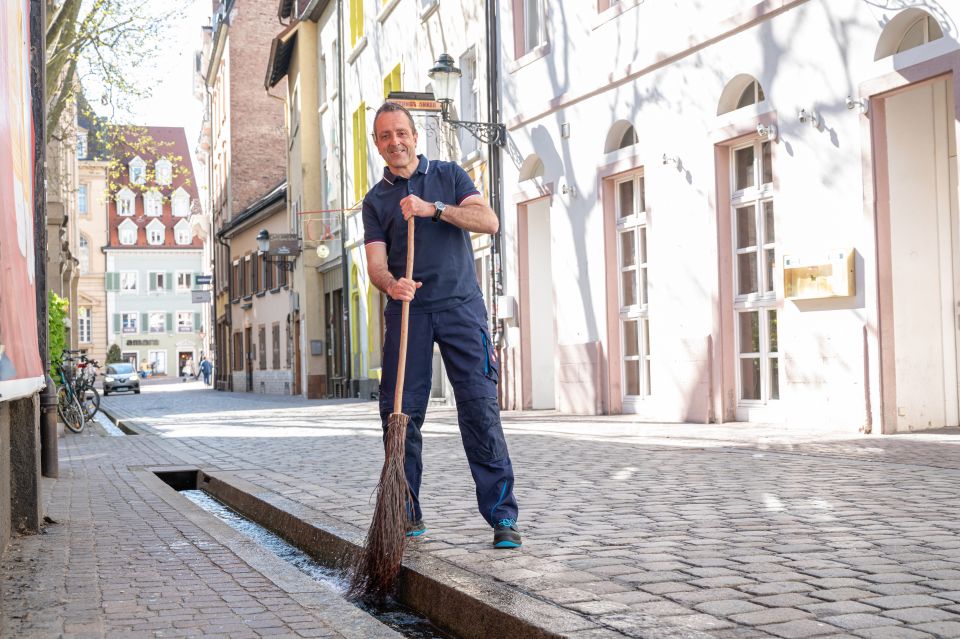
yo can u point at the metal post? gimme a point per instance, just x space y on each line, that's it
345 296
494 159
49 455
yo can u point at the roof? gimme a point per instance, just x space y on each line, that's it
280 51
151 143
263 204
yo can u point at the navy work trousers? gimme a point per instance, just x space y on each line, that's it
470 360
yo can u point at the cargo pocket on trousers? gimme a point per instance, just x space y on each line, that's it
491 367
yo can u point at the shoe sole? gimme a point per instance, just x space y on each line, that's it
506 544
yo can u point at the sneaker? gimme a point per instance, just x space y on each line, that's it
506 534
416 528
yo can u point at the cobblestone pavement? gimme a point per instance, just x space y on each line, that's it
734 530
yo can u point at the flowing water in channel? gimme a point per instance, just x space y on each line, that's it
401 619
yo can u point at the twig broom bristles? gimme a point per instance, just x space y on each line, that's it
378 566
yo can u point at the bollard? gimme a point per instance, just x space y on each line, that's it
49 455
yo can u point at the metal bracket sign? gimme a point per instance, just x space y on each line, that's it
200 297
203 280
414 101
284 244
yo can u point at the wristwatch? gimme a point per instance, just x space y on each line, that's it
440 206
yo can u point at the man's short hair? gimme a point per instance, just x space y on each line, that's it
391 107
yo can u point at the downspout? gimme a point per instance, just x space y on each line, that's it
225 366
49 455
345 298
496 179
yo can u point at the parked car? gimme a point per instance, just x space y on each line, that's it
120 377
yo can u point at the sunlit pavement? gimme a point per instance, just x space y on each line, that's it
730 531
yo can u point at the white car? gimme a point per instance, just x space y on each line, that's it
120 376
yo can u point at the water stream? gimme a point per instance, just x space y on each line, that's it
403 620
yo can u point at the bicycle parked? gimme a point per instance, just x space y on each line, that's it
77 375
84 386
68 403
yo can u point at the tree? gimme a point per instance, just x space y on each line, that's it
107 46
113 354
56 314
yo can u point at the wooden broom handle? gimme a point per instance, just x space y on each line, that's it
404 322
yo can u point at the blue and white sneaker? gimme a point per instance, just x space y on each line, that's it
506 534
416 528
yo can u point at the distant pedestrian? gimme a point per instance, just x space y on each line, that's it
206 367
187 370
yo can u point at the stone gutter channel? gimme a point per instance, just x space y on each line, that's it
459 602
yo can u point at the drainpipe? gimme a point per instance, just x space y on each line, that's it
345 298
49 455
224 366
495 162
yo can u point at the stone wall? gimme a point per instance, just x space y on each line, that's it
5 475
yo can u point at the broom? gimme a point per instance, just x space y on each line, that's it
378 566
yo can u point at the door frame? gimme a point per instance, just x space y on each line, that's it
248 357
881 382
523 273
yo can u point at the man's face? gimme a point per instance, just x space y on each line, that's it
396 141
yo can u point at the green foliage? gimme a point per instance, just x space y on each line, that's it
113 354
56 312
110 47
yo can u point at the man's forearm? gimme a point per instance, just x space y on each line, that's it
383 279
472 217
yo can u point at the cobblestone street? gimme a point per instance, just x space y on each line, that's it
634 529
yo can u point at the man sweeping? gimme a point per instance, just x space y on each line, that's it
446 307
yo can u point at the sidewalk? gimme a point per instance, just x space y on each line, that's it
637 530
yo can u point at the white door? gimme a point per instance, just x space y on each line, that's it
923 221
633 285
541 312
158 362
755 299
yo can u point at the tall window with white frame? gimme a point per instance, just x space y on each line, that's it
85 321
469 100
755 297
533 35
631 211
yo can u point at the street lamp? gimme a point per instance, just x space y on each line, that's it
285 248
446 82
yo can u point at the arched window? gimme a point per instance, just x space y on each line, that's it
532 167
620 136
908 29
743 90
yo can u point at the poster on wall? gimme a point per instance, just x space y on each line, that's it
21 372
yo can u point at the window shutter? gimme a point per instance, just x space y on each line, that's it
193 280
169 322
116 322
168 281
144 323
197 321
108 280
153 282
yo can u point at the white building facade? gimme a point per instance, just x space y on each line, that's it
733 211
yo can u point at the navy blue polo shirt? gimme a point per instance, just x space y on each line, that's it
443 254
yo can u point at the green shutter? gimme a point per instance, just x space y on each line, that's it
168 281
197 322
144 323
116 322
153 282
169 322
